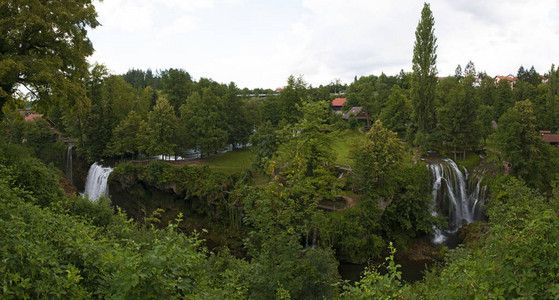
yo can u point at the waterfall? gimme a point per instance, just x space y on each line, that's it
69 173
96 183
456 194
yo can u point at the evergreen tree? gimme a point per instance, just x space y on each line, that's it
522 74
424 76
458 72
470 69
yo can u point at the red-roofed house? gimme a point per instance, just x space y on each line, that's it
553 139
33 117
547 136
337 104
512 79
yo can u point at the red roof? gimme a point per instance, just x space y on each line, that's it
32 117
551 138
509 78
339 102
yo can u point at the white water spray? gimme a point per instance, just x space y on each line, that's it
69 166
96 183
457 195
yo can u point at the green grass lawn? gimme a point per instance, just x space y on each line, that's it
343 144
242 159
231 161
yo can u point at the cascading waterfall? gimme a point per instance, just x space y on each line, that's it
69 167
96 183
457 195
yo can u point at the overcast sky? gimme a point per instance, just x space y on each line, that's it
259 43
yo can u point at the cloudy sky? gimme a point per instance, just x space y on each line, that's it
259 43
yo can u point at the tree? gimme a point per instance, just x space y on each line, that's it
424 76
517 139
240 123
396 115
159 137
201 123
534 77
458 72
43 48
177 86
264 144
279 214
470 69
291 97
378 161
503 99
307 147
522 74
111 100
457 117
126 138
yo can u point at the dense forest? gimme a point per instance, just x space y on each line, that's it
309 190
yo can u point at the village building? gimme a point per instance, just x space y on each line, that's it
337 104
356 111
511 78
549 137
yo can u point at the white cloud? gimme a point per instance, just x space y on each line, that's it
181 25
189 5
127 15
260 43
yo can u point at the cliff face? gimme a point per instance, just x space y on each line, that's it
200 194
139 198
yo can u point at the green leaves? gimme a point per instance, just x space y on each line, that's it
424 72
44 47
201 123
377 162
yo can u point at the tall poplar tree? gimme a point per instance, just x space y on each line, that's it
424 76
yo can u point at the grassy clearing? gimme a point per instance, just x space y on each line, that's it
230 162
343 144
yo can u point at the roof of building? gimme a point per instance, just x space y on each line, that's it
356 111
509 78
551 138
339 102
32 117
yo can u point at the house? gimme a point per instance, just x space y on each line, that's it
544 79
512 80
548 137
337 104
33 117
357 111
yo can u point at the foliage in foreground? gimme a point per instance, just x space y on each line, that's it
48 253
